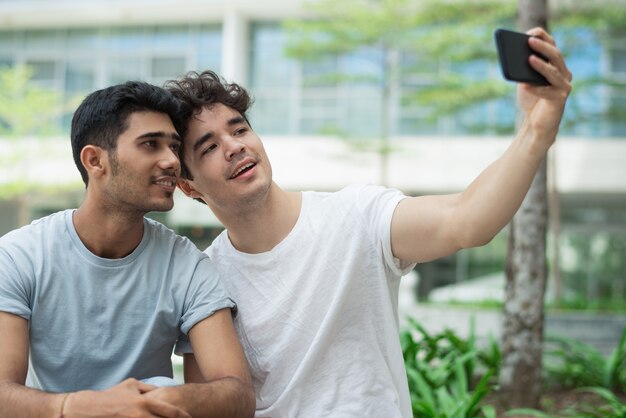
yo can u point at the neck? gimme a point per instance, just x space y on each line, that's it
106 232
261 227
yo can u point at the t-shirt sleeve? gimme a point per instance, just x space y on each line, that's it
205 295
377 206
183 345
15 288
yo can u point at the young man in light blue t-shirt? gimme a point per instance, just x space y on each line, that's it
95 298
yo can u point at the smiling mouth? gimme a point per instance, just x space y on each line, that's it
165 183
242 170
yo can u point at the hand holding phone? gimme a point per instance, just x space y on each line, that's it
513 51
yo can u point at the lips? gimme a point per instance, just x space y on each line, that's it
242 168
166 182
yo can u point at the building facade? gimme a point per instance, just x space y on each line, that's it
75 47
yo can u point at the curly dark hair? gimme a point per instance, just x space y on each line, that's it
197 91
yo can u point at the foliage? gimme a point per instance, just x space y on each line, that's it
451 376
613 407
572 363
453 42
441 369
25 108
407 36
597 272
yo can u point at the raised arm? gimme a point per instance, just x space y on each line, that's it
428 227
19 401
223 387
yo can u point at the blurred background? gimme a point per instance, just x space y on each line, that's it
344 93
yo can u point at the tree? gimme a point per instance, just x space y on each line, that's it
394 32
526 271
27 111
460 33
25 108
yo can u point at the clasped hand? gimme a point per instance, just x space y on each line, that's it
131 398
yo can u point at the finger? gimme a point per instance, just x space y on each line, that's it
541 33
145 387
552 54
554 75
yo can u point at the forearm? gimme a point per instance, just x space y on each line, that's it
226 398
492 199
20 401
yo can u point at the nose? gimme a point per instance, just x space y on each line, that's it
169 160
233 147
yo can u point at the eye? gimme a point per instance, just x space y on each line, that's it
240 131
175 146
150 144
208 149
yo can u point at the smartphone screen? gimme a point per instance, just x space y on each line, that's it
513 51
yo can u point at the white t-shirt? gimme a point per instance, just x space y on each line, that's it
318 313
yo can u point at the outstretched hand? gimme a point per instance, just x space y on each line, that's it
544 105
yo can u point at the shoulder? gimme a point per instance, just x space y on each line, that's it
164 238
37 231
221 243
359 195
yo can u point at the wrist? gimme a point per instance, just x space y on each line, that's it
537 141
62 407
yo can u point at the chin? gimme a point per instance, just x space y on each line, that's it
162 207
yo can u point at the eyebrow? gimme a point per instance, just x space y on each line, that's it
160 134
237 120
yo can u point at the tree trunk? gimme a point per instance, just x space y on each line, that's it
526 272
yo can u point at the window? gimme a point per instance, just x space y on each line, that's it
77 61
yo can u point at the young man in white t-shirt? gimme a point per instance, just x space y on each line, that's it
316 274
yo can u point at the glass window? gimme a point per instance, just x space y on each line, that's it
78 60
618 61
167 67
270 68
81 39
43 39
44 73
272 78
168 36
5 62
79 76
7 41
617 105
124 69
126 39
207 47
272 113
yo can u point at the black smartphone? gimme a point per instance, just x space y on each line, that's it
513 51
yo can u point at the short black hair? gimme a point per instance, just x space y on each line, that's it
103 115
197 91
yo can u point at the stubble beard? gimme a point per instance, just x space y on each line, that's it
123 197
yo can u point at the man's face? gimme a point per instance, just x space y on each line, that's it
226 159
145 167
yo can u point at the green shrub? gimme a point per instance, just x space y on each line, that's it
572 364
441 370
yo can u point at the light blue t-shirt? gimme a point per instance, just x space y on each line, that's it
94 321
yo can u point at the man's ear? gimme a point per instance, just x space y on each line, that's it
93 159
188 189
